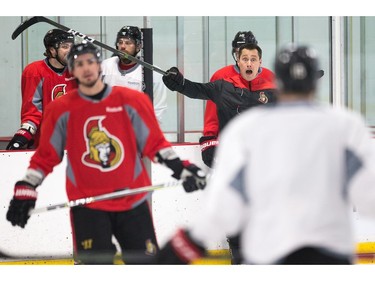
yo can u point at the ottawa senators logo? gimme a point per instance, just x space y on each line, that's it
58 91
104 151
262 97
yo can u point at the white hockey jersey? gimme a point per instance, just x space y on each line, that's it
288 176
133 78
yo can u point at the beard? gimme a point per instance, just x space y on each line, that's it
90 83
126 61
62 59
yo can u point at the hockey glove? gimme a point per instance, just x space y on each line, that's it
208 146
193 177
23 201
23 138
181 249
174 80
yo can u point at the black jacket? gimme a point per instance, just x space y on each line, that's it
231 96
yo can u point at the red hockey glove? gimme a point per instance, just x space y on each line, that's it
208 147
181 249
174 80
22 139
23 201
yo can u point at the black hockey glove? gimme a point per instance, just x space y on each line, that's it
181 249
208 147
23 201
174 80
192 176
22 139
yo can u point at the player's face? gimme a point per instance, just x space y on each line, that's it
63 51
127 46
249 64
86 69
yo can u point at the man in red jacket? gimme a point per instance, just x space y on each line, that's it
209 139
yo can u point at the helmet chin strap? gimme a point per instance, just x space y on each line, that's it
58 59
234 57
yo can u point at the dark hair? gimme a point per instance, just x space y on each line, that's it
250 46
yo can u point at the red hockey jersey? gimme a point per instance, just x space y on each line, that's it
40 85
104 141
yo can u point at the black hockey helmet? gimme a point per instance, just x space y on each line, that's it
80 49
131 32
242 37
55 37
296 69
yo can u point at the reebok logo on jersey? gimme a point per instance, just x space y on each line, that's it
69 79
113 109
134 83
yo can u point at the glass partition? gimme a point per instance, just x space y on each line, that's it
200 45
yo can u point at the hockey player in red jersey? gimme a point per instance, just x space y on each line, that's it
209 139
106 130
43 81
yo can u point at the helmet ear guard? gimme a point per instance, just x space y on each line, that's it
297 69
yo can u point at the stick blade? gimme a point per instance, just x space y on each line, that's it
25 25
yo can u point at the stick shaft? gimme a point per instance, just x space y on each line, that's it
107 196
35 20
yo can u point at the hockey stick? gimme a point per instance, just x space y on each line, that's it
112 195
33 20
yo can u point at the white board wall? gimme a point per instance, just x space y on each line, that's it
49 234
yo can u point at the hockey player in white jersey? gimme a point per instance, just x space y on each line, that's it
287 178
124 72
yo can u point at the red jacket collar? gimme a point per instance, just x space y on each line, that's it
258 83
